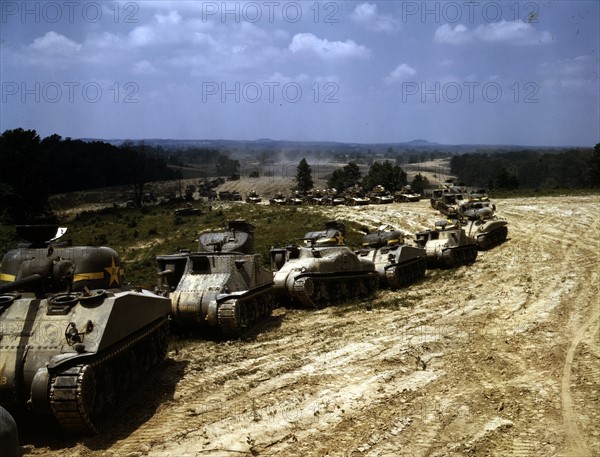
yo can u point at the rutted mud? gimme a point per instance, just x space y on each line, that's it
498 358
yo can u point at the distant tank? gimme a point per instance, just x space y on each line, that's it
436 197
447 246
356 199
278 199
324 271
397 263
76 343
295 199
407 195
481 224
222 285
380 196
253 197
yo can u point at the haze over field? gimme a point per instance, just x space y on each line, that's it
490 72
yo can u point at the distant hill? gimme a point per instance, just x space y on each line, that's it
243 147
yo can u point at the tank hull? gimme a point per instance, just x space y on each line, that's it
397 266
222 286
488 233
322 276
65 336
447 248
229 292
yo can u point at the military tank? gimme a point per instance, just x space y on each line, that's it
380 196
397 263
447 246
253 197
407 195
221 286
76 342
450 204
323 271
278 199
481 223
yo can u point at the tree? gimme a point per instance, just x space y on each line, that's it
593 167
419 184
227 166
386 174
23 174
347 176
304 181
504 180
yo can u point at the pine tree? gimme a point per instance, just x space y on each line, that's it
304 177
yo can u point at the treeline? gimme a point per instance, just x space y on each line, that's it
33 168
574 168
386 174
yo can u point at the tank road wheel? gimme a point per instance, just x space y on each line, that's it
231 321
354 288
449 259
420 271
369 286
91 398
307 292
391 274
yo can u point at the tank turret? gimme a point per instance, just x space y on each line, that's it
322 271
397 263
222 286
76 342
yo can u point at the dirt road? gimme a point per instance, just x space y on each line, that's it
501 358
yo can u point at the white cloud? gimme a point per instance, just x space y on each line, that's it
282 79
510 32
54 44
144 67
457 35
172 18
366 16
580 72
513 32
307 42
401 73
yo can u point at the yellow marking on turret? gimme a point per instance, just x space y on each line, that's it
7 277
88 276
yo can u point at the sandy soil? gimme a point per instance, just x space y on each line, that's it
501 358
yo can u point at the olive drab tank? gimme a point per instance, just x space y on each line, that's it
222 286
447 246
322 272
75 343
481 224
397 263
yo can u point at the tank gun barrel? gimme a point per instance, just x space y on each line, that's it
21 283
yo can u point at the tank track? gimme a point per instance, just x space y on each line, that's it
322 291
457 256
494 238
399 276
85 397
237 315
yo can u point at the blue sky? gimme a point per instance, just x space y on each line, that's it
453 72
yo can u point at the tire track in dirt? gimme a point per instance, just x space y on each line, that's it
576 441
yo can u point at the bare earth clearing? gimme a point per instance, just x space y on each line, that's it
501 358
